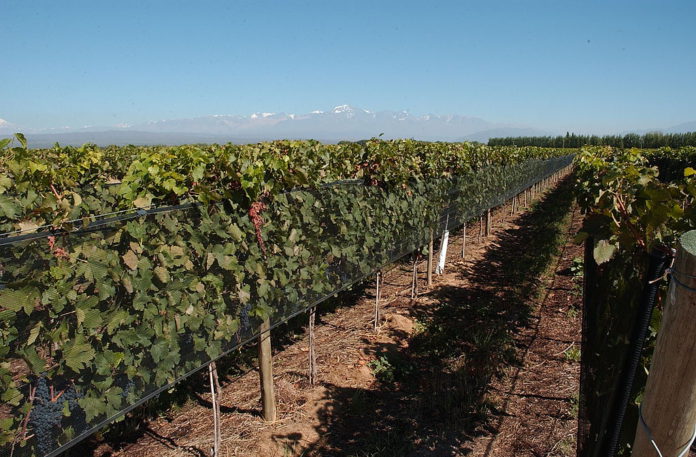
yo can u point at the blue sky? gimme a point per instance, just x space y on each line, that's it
587 65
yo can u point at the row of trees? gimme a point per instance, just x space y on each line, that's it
630 140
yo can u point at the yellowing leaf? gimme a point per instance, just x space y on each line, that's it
688 171
80 314
130 259
162 274
34 333
236 233
28 226
143 202
243 295
77 198
127 284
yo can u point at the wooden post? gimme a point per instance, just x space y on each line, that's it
266 371
430 257
669 406
215 401
377 294
464 241
312 352
525 197
480 229
489 223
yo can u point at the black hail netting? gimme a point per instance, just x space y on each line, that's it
98 320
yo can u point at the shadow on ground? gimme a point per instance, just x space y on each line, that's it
431 397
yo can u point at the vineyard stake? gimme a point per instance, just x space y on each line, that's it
464 241
414 280
489 223
442 257
266 371
215 400
526 191
444 240
480 229
430 258
377 296
312 352
668 408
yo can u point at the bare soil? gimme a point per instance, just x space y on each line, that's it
483 363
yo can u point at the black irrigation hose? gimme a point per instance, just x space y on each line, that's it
658 263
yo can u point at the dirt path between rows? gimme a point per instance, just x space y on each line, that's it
485 363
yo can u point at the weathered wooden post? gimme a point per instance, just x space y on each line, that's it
266 371
669 402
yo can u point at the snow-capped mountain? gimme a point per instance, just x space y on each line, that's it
7 127
343 122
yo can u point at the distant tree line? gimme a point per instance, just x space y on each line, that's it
630 140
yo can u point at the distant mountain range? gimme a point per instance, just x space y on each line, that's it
343 122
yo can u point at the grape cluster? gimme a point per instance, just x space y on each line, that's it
186 342
78 420
45 417
128 388
244 316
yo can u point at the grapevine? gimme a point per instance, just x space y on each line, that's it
634 200
124 310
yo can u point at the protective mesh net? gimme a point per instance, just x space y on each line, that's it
119 311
